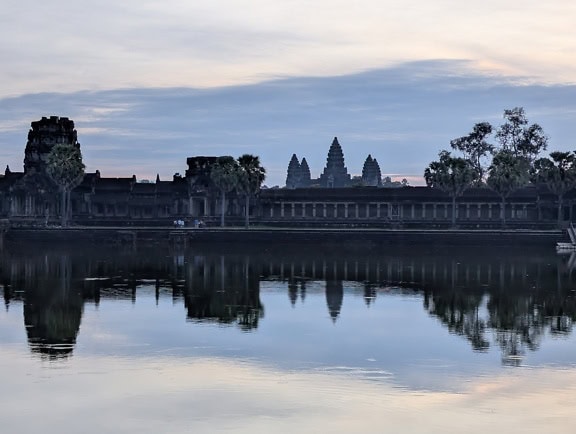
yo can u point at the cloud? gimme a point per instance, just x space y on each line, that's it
402 115
91 45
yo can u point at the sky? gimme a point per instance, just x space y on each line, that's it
149 84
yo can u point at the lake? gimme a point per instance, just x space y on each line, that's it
286 338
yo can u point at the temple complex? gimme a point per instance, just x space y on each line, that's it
333 199
335 174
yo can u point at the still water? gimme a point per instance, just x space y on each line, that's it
327 339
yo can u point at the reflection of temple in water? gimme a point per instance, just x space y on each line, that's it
510 300
334 297
53 287
490 298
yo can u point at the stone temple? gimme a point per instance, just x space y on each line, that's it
335 174
335 198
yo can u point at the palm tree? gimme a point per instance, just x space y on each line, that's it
64 167
225 176
252 175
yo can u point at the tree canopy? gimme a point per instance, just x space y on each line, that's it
558 173
508 173
475 147
454 175
520 138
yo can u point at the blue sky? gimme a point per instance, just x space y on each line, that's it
151 83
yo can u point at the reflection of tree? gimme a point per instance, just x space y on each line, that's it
509 300
517 323
293 291
225 290
460 313
519 315
53 311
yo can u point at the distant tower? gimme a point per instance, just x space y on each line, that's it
294 173
305 178
42 137
371 174
335 173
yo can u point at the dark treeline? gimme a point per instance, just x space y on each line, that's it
504 159
508 298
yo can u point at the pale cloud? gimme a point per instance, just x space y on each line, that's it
69 46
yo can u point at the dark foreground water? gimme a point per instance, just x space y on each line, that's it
333 339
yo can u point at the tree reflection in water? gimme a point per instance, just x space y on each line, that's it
509 299
53 306
225 289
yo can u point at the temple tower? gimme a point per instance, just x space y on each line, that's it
335 174
305 177
294 173
42 137
371 175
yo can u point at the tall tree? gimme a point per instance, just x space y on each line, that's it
252 175
225 176
520 138
452 175
558 173
475 147
507 174
64 166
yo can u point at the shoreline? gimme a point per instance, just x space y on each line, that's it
270 235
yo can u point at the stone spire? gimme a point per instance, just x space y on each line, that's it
371 175
305 178
293 175
377 171
335 173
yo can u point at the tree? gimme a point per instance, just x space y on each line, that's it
507 173
252 175
523 140
452 175
225 176
475 147
558 173
64 166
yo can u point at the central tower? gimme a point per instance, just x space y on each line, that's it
335 174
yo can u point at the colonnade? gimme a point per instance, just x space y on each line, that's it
395 210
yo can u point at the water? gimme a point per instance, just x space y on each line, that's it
286 339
